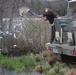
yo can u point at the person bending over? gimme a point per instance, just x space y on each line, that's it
50 15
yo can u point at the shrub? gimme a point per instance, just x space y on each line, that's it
52 72
63 71
46 66
38 58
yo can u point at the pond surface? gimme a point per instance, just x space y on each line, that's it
4 71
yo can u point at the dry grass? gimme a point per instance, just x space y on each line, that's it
71 72
51 57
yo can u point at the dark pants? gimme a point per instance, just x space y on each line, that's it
52 33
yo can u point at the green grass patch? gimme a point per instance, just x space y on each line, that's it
22 63
27 61
12 64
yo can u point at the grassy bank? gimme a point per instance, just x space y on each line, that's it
21 63
33 63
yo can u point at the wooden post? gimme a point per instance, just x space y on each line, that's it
61 30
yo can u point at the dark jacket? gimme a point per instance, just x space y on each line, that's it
50 15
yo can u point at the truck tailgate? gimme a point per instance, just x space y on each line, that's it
62 49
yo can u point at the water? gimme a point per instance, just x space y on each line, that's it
9 72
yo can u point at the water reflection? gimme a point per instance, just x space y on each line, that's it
9 72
